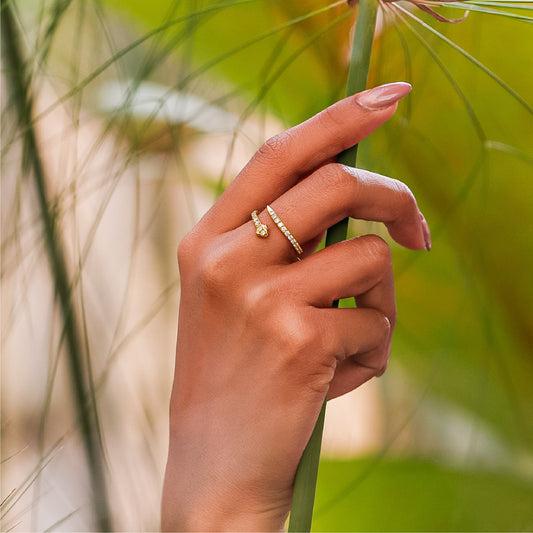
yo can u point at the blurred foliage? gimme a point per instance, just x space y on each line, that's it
286 55
419 495
463 143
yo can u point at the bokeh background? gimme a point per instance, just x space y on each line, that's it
122 121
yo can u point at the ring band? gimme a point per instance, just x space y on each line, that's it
261 230
285 231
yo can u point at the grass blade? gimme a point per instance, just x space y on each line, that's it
20 86
471 58
306 475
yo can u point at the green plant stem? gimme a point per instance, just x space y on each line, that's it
20 89
307 472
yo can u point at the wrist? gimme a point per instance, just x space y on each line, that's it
208 488
223 520
216 508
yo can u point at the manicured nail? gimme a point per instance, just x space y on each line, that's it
383 96
426 232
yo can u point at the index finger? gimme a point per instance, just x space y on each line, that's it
288 156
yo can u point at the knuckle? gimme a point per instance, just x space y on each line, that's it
214 271
378 250
188 249
406 199
295 334
338 177
257 300
340 184
299 340
385 359
209 262
329 121
301 355
275 147
383 368
379 362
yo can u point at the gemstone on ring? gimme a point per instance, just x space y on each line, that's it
285 231
261 230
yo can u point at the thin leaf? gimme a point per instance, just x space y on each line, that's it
306 474
471 58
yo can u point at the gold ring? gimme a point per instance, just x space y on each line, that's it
261 230
285 231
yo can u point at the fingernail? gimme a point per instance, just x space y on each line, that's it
426 232
383 96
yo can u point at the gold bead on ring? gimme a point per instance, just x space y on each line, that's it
285 231
261 230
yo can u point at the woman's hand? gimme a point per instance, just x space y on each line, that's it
259 345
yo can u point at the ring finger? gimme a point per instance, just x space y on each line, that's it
334 192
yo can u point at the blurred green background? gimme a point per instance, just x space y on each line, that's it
451 446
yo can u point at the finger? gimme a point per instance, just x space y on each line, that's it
362 365
381 296
285 158
361 344
335 191
353 371
360 267
354 331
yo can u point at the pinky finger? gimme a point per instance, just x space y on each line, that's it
364 335
354 371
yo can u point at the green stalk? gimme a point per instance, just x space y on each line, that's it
307 472
20 88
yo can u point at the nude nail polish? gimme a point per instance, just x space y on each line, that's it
426 232
383 96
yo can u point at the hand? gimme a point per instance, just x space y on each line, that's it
259 345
